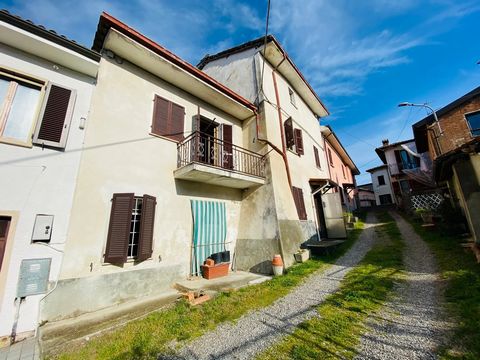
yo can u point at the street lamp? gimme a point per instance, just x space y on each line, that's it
434 116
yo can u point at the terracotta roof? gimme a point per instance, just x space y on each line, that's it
46 34
107 21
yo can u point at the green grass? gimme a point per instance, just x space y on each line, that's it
149 337
462 275
336 332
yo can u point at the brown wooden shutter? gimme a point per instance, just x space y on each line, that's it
145 242
119 228
289 139
227 146
299 141
317 157
161 114
168 119
299 202
177 122
57 111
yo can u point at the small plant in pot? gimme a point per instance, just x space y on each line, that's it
426 214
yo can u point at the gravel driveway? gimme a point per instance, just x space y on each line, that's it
411 325
258 330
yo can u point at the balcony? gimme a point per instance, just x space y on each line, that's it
204 158
397 168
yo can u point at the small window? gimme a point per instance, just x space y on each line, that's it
385 199
330 159
381 180
21 103
343 171
292 97
317 157
473 120
130 233
289 137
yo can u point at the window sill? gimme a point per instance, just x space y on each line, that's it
294 152
16 142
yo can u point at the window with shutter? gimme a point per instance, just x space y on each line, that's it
299 203
298 141
145 243
330 160
168 119
130 234
119 228
317 157
55 117
289 139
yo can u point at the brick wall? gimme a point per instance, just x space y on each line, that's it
454 126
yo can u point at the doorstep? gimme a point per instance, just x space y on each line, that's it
234 280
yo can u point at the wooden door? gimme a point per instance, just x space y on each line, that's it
4 225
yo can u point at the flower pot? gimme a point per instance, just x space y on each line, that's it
302 256
277 265
215 271
225 256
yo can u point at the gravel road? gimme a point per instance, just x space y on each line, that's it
258 330
412 324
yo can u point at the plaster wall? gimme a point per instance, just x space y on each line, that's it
381 189
341 173
122 156
38 181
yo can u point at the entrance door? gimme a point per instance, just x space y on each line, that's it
4 225
333 213
320 216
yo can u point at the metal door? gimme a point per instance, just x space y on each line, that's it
333 213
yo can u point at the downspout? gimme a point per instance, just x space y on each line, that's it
280 124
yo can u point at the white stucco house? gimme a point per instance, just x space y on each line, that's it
307 200
46 84
382 185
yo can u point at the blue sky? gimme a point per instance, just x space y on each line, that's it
362 57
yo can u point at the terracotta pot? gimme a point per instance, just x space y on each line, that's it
277 265
215 271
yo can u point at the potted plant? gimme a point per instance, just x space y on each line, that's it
426 215
302 255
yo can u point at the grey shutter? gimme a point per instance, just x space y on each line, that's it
145 242
55 117
119 228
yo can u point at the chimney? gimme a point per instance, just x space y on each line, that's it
385 142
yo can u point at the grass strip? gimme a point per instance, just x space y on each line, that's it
336 331
148 337
462 274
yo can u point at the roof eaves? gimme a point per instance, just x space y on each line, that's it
107 21
50 35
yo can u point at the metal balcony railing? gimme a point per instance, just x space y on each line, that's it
205 149
396 168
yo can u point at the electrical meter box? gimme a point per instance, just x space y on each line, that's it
33 277
42 230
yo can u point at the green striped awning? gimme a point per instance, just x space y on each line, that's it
209 231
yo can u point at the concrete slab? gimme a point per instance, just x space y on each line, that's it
57 336
234 280
23 350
